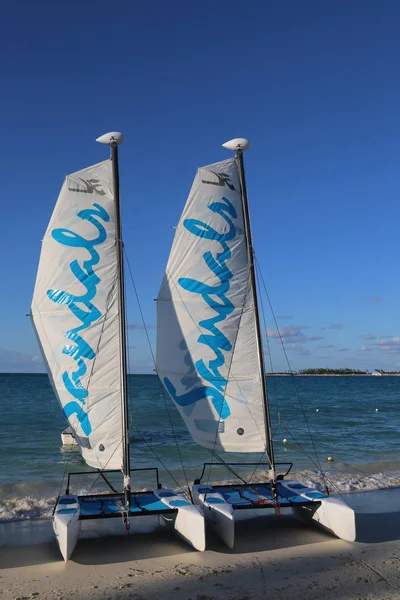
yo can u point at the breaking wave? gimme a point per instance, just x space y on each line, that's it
34 500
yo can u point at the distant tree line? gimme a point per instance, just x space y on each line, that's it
331 372
321 371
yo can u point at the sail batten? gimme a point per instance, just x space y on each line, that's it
75 313
207 354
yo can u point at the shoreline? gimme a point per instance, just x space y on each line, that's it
331 375
273 557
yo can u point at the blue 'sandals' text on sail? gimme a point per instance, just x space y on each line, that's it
80 350
217 300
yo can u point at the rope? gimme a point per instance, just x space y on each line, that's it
125 520
161 386
292 376
187 494
261 500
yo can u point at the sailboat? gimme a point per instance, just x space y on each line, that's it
67 437
210 357
78 313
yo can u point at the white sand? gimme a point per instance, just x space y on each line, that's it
277 558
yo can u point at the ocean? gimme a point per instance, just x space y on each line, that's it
354 420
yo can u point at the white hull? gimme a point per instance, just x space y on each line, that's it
332 514
66 524
67 437
189 521
219 514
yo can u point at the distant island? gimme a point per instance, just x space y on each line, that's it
332 372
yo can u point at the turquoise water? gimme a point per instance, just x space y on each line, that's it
365 444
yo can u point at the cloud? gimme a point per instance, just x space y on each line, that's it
389 345
342 349
284 317
15 362
368 336
298 349
376 299
336 326
293 334
385 344
325 346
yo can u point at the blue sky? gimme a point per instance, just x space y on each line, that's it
314 86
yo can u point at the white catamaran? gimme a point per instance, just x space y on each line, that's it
78 312
209 351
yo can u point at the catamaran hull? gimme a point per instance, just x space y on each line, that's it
332 515
66 524
189 520
310 505
219 515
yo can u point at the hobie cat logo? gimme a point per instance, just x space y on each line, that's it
216 298
222 179
91 185
82 308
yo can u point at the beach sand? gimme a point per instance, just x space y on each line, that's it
278 558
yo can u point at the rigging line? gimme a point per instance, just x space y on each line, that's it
257 465
67 462
155 367
103 468
228 467
246 483
276 395
290 369
187 494
318 466
270 360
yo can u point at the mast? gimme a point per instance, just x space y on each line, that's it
240 145
114 139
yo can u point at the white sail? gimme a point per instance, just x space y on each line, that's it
75 313
206 331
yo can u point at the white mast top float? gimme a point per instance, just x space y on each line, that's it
111 139
236 144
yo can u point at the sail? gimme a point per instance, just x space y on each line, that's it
207 353
75 313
